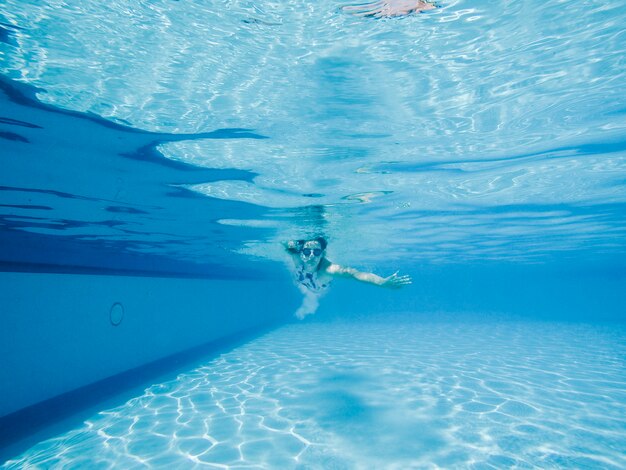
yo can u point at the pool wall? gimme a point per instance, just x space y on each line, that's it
59 331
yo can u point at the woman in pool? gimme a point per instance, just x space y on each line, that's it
314 272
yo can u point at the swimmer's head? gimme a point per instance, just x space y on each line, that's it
312 251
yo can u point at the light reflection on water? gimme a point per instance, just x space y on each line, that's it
473 109
383 393
481 130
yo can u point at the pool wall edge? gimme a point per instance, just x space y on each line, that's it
61 332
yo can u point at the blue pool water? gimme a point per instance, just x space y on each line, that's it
444 392
479 147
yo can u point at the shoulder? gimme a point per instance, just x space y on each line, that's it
336 269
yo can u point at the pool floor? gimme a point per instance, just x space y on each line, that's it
396 392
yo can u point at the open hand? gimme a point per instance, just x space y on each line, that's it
395 282
390 8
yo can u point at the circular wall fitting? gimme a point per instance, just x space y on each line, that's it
116 315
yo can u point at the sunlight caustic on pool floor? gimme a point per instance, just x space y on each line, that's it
383 393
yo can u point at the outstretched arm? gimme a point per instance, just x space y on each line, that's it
394 281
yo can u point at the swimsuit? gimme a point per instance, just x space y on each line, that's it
310 281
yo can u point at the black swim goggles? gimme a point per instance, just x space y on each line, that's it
308 251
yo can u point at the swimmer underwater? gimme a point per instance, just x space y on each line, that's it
314 272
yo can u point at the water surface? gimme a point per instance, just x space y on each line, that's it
478 131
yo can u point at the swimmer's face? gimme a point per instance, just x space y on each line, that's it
312 252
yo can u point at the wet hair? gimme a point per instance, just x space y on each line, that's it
321 240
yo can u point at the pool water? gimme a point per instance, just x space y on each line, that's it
479 147
478 131
401 391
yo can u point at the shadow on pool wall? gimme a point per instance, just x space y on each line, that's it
62 334
561 292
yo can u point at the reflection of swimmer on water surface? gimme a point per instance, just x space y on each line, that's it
390 8
314 272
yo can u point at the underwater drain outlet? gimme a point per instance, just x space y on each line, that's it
116 315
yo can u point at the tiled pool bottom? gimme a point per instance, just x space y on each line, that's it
387 392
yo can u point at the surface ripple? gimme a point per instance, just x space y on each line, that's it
455 100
